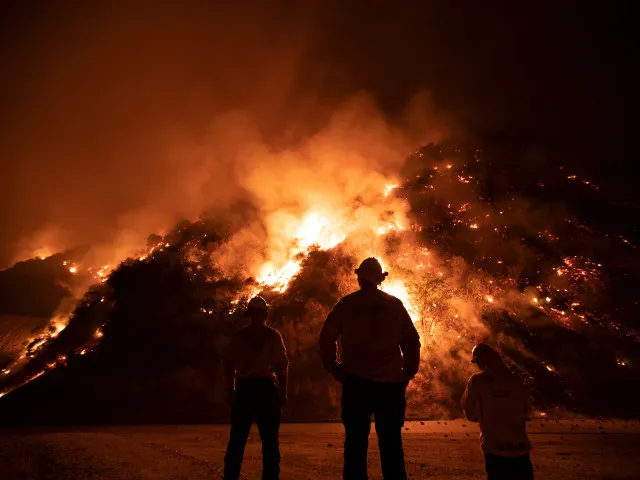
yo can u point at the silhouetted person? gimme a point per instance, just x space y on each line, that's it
497 399
380 354
254 355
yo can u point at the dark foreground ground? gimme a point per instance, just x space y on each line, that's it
444 450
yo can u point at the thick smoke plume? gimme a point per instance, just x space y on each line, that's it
124 120
107 107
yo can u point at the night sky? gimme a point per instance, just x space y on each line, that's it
91 91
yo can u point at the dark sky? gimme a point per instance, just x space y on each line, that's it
90 89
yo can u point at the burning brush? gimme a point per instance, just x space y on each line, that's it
470 259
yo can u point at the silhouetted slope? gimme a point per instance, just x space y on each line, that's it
146 346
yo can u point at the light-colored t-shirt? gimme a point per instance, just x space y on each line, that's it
256 351
501 404
378 339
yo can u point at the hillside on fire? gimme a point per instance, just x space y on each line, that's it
478 248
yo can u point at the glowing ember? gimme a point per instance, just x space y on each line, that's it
103 273
451 290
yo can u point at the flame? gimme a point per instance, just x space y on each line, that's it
398 289
318 230
278 278
373 221
309 230
389 188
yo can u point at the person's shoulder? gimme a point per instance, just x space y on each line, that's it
272 332
350 299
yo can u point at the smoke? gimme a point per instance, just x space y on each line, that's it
124 119
119 118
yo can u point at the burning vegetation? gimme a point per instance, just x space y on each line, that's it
474 254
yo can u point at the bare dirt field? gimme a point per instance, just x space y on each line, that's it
444 450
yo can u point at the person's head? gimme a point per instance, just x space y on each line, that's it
370 273
486 357
257 310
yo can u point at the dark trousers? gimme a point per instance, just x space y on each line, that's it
508 468
256 400
386 401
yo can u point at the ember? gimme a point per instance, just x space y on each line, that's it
462 274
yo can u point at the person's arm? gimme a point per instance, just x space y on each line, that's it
281 366
329 335
470 402
409 344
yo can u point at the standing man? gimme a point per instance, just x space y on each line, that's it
497 399
380 354
254 357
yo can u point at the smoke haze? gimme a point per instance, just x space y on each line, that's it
119 119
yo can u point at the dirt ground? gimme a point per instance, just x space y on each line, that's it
444 450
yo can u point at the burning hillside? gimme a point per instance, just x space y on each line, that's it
475 253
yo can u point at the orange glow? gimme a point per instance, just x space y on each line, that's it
389 188
361 212
317 230
398 289
278 278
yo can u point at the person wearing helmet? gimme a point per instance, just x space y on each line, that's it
256 357
380 354
497 399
